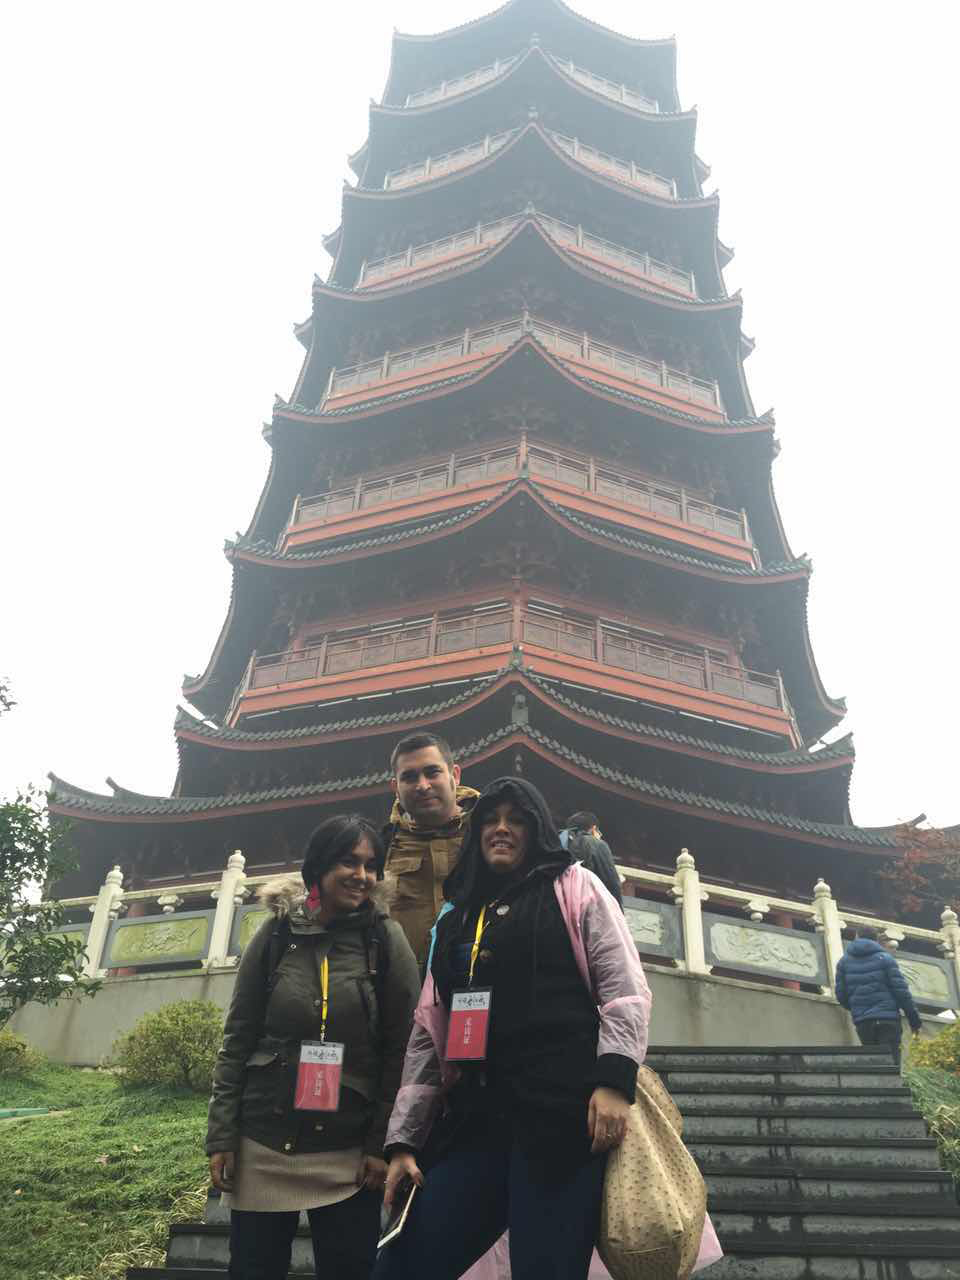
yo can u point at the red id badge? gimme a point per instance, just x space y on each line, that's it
469 1025
318 1076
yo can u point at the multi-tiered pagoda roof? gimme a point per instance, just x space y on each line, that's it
519 494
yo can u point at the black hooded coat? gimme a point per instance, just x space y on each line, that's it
542 1063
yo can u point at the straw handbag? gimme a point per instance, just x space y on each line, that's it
654 1198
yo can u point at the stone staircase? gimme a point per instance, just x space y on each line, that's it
818 1168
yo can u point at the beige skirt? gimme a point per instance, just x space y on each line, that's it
268 1181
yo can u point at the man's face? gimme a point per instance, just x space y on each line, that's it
426 786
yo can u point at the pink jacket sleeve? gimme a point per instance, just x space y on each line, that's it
607 957
422 1082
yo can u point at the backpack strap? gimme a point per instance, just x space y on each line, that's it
277 944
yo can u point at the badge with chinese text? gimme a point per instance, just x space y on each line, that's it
318 1076
469 1025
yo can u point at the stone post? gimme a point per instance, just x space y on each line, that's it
226 896
950 928
686 887
827 921
105 910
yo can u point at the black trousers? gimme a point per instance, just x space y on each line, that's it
881 1031
344 1235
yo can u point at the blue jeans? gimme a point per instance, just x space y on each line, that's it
485 1186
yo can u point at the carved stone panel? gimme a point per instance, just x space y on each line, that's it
931 980
246 921
766 949
655 927
158 940
74 932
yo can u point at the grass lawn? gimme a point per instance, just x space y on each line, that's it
937 1094
86 1194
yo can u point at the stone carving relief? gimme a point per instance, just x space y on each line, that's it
249 925
927 982
738 944
152 942
645 927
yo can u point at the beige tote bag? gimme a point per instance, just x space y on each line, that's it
654 1197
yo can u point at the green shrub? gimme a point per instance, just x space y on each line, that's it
941 1052
16 1056
177 1045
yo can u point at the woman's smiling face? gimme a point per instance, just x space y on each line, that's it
348 883
504 838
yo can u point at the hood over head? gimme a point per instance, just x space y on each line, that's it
468 876
864 947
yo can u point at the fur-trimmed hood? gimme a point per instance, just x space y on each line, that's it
285 895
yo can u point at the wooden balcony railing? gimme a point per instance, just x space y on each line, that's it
609 88
449 162
623 170
450 88
566 343
585 474
594 640
418 258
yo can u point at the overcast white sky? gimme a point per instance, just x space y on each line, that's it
169 169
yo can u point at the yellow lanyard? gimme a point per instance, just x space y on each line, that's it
476 943
324 991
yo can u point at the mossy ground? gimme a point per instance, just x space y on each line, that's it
86 1194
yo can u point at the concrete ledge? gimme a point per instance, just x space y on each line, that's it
688 1009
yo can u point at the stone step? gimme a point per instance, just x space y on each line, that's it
707 1100
835 1262
841 1078
862 1223
889 1187
783 1058
207 1245
737 1153
826 1123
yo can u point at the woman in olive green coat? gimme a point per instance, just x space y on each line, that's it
328 967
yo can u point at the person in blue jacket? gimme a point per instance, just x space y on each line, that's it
872 988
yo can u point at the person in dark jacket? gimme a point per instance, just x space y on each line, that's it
871 987
584 839
331 967
523 1140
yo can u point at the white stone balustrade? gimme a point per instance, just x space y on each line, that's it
754 933
228 897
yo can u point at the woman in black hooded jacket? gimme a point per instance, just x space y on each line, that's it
523 1140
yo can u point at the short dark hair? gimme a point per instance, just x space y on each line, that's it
335 837
868 931
583 820
419 742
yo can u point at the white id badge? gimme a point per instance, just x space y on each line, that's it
469 1025
318 1076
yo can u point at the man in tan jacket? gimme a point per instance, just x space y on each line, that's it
425 832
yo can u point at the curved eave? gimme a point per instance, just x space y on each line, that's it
389 124
839 756
411 50
532 134
787 615
631 286
608 537
527 345
335 309
86 806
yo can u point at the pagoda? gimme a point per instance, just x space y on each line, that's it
519 495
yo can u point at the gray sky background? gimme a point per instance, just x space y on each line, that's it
169 169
